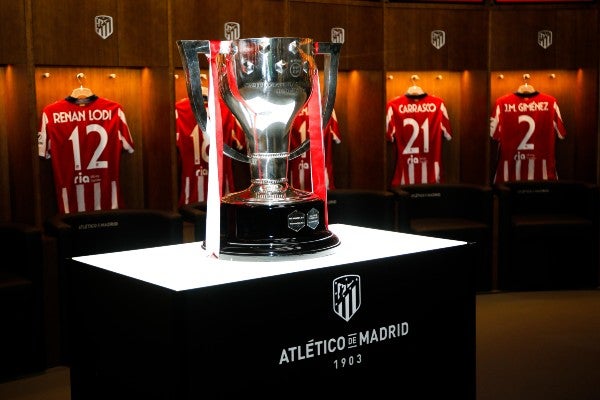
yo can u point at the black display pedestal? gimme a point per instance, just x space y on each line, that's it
388 314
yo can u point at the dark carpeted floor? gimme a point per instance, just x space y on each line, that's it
530 346
538 345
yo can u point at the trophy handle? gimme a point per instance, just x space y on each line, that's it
332 61
189 50
298 151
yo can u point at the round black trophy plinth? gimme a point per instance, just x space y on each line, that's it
272 230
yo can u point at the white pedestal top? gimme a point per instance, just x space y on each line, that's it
188 266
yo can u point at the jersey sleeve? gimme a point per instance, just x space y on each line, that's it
43 144
124 133
495 123
559 125
333 128
390 127
445 123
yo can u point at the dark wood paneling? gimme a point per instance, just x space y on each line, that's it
13 46
4 164
474 143
22 145
143 33
407 40
514 33
195 20
467 39
160 157
315 20
585 124
64 33
362 25
576 154
577 38
206 20
515 39
364 38
408 43
263 18
359 160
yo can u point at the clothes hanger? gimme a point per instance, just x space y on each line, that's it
81 92
414 90
526 87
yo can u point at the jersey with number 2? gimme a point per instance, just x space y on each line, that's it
525 125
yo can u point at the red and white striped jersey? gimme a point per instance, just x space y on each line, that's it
299 169
416 125
193 145
526 125
84 140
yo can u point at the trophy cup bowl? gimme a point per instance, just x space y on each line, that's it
265 82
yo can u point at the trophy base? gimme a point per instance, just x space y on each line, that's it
275 230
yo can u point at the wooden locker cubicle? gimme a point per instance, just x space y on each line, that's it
130 66
359 103
18 191
455 70
566 68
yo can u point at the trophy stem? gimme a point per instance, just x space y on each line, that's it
261 192
269 167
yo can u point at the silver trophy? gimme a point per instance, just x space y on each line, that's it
265 82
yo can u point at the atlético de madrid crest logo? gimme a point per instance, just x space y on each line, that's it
545 38
438 38
346 296
103 25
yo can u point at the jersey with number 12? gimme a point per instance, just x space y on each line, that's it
85 142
